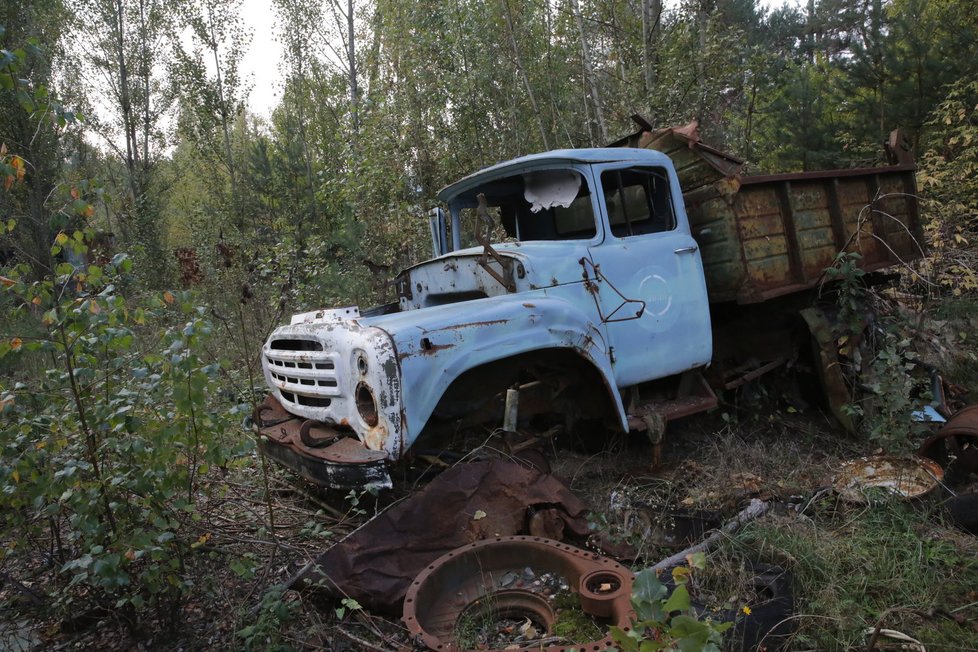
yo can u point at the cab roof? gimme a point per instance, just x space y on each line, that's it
552 158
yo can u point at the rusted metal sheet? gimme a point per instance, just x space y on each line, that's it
467 503
905 477
792 226
469 578
766 236
828 365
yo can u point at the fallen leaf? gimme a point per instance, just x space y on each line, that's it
479 515
204 538
168 296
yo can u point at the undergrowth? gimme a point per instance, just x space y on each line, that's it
854 568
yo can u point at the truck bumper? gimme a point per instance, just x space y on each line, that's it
319 453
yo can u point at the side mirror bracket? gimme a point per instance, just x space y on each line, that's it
439 234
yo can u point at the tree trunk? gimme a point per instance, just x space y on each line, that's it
589 73
651 14
526 80
225 126
354 90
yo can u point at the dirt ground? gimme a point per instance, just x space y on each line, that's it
894 565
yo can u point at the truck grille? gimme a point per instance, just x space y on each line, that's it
302 371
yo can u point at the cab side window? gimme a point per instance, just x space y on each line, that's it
638 201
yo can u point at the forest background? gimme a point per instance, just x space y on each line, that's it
125 143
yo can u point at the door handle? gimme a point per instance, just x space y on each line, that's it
686 250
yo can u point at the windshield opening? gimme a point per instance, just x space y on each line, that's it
538 205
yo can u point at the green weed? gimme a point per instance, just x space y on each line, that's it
854 569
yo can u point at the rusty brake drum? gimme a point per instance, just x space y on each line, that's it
473 575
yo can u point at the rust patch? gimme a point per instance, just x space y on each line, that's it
455 327
430 350
375 437
434 348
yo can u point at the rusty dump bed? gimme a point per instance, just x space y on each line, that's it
766 236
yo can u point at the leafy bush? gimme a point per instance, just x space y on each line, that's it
948 177
103 455
887 383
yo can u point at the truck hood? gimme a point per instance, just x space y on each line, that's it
460 276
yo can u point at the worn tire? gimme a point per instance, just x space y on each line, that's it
963 512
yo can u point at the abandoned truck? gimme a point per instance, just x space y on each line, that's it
607 288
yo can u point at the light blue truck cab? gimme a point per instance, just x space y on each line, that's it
584 285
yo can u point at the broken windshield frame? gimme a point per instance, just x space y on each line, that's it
562 198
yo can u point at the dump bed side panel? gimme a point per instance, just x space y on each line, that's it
766 236
792 226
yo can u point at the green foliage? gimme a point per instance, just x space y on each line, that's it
853 567
667 620
851 290
949 183
894 391
888 384
265 632
104 455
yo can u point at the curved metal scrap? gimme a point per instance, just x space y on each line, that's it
957 439
476 574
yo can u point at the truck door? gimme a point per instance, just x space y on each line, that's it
647 275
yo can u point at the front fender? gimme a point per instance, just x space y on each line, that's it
436 347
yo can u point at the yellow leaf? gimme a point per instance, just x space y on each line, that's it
16 475
7 282
94 308
15 343
60 239
680 574
168 296
130 554
204 538
18 164
479 515
36 301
